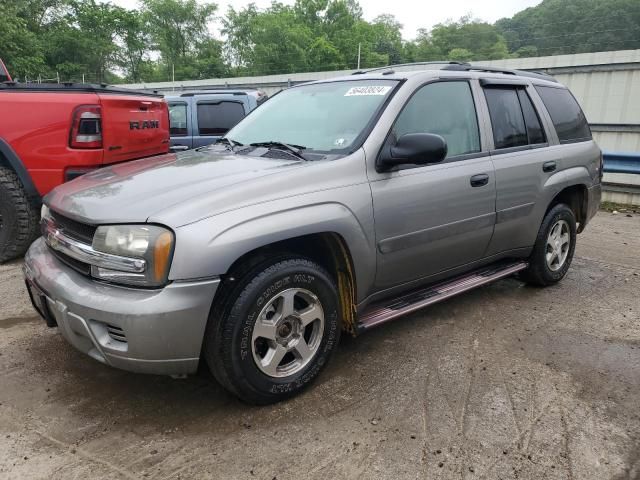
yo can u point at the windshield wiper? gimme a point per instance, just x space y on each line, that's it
295 150
228 141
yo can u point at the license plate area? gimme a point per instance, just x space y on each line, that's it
39 302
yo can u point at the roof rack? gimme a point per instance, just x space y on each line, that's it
466 67
389 67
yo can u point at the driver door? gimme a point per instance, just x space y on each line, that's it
431 218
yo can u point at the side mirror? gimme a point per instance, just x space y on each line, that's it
414 149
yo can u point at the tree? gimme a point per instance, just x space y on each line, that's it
135 39
562 27
95 26
21 49
177 28
101 42
481 39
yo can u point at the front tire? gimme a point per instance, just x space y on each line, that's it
554 248
274 331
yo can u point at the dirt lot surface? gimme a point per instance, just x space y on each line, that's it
507 381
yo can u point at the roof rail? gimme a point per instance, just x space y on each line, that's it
388 67
466 67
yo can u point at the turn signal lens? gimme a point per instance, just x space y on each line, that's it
161 256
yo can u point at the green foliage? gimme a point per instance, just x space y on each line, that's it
564 27
164 39
179 31
21 48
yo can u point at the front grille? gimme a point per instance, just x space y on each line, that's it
74 229
77 265
116 333
78 231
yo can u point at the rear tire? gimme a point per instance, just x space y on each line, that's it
19 217
553 251
274 330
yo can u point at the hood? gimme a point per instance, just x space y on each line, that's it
135 191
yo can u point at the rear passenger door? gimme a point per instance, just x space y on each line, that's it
213 118
523 161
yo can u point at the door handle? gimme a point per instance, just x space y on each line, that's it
479 180
549 166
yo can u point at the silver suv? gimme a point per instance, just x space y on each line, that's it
334 207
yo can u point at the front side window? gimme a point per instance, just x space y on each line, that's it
328 118
446 109
566 115
178 119
218 118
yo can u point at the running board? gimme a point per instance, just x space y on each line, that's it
418 299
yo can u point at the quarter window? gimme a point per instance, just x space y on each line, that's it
178 119
566 115
531 119
446 109
218 118
507 120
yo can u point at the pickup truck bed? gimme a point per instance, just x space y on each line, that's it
52 133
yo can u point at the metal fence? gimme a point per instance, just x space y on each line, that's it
616 162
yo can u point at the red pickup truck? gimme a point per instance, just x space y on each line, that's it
52 133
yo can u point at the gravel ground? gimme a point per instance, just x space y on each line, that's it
507 381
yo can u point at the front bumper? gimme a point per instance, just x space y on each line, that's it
146 331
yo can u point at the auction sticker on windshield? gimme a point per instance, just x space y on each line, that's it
367 90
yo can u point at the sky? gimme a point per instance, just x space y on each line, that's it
412 14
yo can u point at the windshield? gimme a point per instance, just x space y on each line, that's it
324 117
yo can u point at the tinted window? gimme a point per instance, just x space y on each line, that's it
178 119
446 109
507 121
566 114
218 118
531 119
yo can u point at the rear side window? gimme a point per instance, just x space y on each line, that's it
218 118
507 120
446 109
178 119
531 119
566 114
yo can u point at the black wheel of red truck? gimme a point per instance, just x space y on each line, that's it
276 329
19 217
553 251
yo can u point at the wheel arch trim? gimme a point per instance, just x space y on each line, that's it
242 237
9 155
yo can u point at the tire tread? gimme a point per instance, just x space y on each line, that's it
24 225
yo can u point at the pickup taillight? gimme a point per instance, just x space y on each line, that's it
86 127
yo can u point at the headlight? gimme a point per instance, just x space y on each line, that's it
151 243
